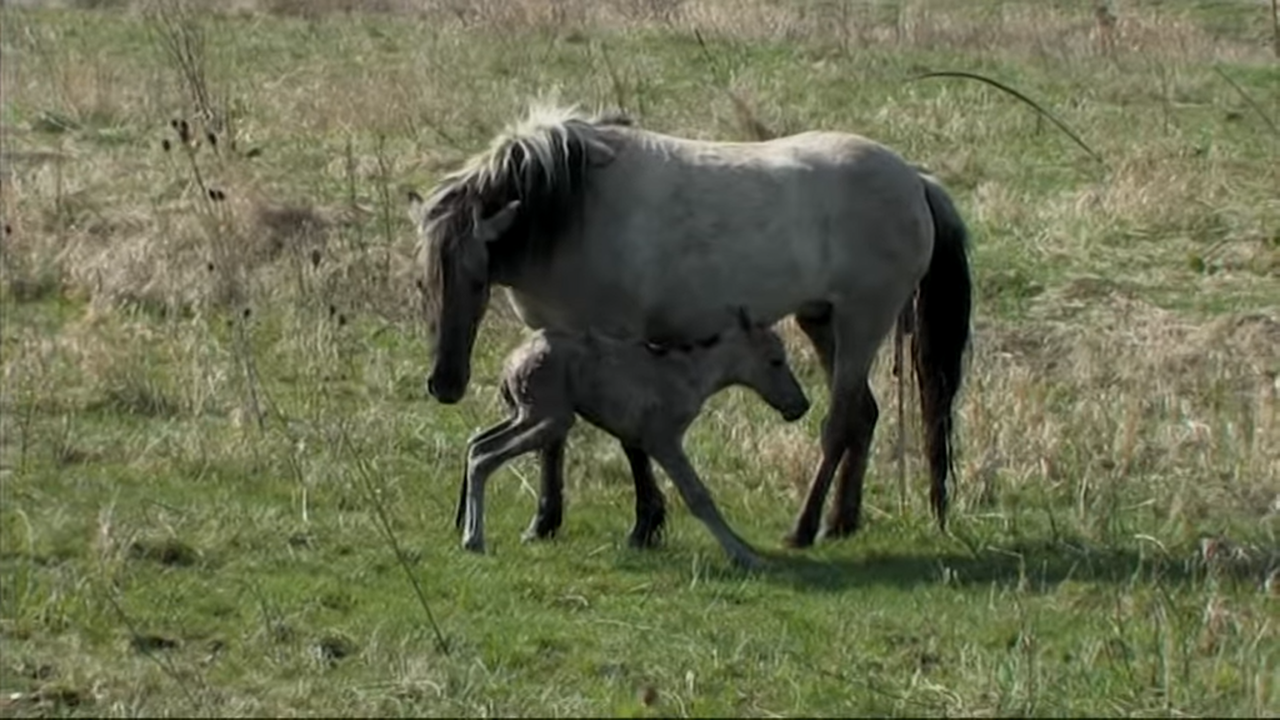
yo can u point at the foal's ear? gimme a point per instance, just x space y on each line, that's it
417 208
744 321
598 153
496 225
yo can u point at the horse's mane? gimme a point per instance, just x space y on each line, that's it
541 160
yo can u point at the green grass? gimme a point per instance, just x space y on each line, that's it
163 551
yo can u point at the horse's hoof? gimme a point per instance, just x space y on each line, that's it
473 545
839 530
642 540
541 528
797 541
750 563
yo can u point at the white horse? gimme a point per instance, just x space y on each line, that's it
593 224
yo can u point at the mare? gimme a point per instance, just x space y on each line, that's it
591 223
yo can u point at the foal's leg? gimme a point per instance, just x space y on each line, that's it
650 505
508 402
546 521
462 486
651 511
698 498
489 454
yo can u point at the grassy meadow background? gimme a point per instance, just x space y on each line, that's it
225 492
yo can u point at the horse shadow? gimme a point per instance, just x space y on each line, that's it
1031 565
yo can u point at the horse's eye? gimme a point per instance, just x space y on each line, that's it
776 363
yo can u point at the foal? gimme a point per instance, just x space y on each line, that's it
646 399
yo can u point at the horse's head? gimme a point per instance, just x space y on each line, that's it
455 284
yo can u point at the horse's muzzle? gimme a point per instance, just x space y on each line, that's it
446 392
795 412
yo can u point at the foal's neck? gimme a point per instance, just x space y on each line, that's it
705 371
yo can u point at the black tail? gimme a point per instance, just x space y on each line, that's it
941 336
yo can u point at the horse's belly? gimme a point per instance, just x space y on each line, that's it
705 298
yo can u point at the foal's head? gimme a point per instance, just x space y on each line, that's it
455 282
758 359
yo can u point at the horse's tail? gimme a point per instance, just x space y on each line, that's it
941 336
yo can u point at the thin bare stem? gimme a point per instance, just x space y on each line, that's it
1034 105
164 664
368 484
1249 101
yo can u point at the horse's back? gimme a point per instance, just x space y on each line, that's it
806 151
771 224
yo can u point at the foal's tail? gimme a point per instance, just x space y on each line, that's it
941 336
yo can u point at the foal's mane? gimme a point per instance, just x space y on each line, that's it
542 160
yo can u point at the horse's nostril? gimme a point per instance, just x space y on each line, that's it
796 412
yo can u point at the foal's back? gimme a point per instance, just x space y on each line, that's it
613 384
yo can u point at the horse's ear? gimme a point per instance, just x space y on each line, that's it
417 208
744 321
496 225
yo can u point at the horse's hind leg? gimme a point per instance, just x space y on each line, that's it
815 322
846 508
651 511
857 346
550 513
834 440
842 429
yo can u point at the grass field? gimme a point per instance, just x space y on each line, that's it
225 491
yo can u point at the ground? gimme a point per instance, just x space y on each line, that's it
226 492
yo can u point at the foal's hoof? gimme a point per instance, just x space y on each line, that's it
750 563
535 534
474 545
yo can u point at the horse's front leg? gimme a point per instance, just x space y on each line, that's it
651 510
550 514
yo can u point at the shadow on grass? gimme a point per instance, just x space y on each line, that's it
1035 565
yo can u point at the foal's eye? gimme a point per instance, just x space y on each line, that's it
776 363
